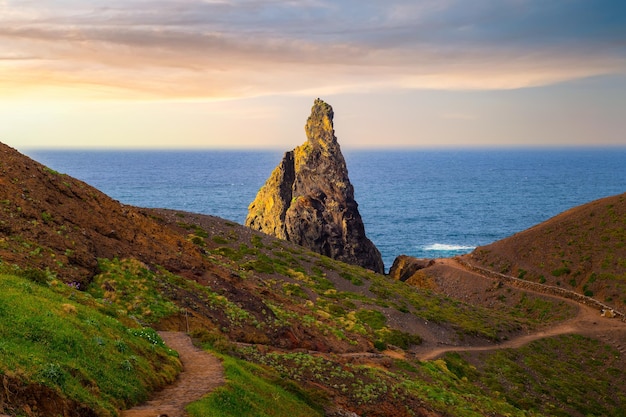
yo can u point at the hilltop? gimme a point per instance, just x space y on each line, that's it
582 249
297 332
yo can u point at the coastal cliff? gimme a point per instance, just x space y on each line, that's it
309 200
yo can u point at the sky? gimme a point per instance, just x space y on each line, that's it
244 73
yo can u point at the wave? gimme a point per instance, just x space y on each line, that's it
448 248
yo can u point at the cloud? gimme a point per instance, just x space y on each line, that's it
191 48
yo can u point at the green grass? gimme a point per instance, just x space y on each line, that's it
562 376
579 376
362 384
129 285
282 383
373 318
406 384
54 336
321 276
254 391
128 289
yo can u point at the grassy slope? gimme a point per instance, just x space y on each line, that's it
530 379
342 293
368 385
336 301
372 385
315 327
255 391
55 337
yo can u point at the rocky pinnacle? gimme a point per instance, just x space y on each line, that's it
309 200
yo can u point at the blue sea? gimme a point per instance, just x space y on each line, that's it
423 203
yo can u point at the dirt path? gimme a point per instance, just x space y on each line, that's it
587 322
570 326
202 373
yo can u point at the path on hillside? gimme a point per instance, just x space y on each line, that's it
587 322
202 373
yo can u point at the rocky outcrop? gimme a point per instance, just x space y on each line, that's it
309 199
405 267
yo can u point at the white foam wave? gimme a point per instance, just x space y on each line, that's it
447 248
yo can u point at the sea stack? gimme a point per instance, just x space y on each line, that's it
309 200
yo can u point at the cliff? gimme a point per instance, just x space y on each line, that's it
309 200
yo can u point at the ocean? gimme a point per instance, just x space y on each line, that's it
423 203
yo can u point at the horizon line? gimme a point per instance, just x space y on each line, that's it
512 147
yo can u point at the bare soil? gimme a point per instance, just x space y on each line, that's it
202 373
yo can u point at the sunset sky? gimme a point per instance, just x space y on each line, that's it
244 74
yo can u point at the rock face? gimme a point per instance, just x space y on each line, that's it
309 199
405 267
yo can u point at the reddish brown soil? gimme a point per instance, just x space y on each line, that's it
201 374
52 221
581 249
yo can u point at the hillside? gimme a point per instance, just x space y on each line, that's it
582 249
53 222
298 333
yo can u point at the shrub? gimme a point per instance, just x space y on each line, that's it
373 318
561 271
398 338
35 275
53 374
46 217
219 240
197 240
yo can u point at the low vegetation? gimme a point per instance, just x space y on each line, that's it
329 300
257 391
589 383
85 281
54 339
577 374
570 251
341 292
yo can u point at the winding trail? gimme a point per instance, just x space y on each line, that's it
587 322
202 373
586 319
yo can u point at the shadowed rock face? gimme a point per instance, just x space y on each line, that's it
309 199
